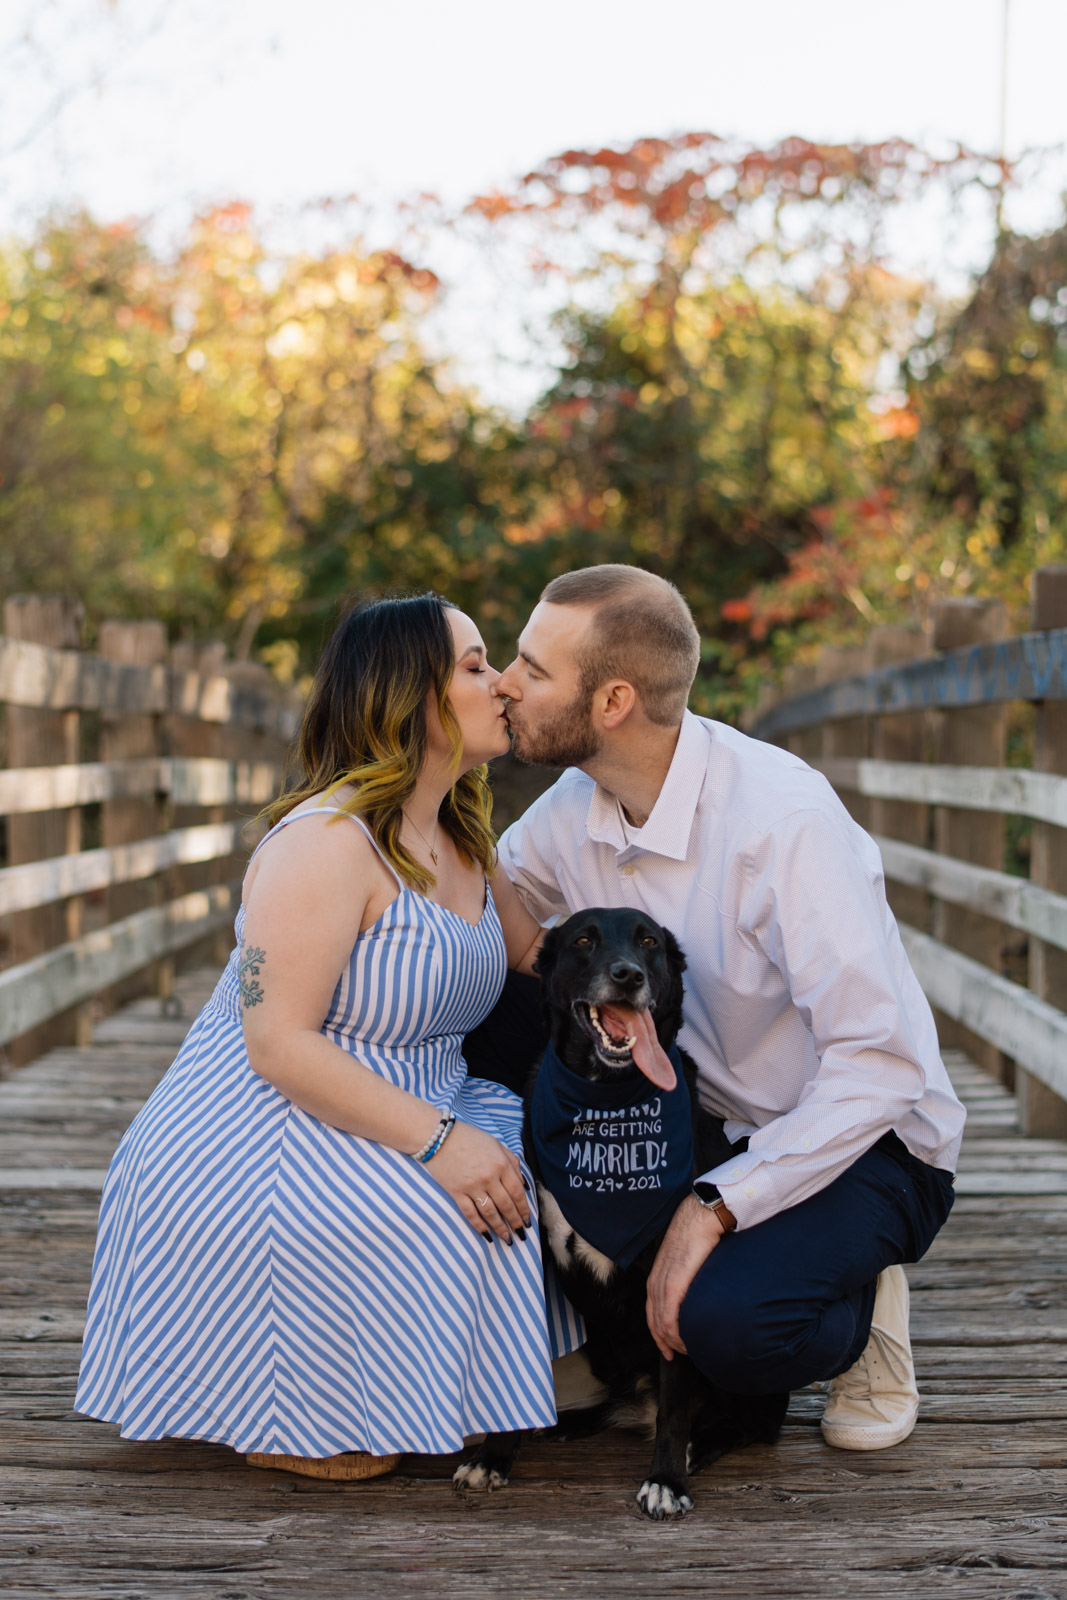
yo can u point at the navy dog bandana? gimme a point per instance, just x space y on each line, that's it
617 1157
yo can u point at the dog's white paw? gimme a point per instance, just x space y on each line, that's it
659 1502
476 1476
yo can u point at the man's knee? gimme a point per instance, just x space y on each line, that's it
729 1331
747 1337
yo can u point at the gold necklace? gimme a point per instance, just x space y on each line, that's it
430 847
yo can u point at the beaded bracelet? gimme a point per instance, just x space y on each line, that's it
436 1139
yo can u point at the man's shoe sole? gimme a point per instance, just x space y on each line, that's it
881 1437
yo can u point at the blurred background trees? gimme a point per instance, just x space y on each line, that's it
746 399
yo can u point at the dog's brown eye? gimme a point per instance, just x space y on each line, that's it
648 940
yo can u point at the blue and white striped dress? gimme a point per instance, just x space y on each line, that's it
266 1281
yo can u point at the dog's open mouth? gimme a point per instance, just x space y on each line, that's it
622 1034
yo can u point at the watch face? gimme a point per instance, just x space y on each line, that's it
707 1192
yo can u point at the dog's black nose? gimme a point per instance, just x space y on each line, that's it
625 972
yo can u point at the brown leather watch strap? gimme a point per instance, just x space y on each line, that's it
715 1202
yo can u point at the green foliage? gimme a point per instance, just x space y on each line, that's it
698 433
235 443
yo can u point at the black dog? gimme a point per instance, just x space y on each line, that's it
614 1134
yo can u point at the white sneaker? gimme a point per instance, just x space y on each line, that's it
576 1388
875 1403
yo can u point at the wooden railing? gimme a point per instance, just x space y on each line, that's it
129 782
915 732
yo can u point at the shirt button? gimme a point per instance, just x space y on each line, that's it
732 1177
628 870
750 1191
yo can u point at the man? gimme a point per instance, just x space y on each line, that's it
812 1037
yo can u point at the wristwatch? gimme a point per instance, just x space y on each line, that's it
710 1198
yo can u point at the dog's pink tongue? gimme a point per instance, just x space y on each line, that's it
648 1053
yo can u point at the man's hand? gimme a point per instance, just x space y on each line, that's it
692 1236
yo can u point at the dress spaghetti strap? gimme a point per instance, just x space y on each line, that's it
376 847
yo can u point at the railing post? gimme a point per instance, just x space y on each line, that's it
125 736
253 745
970 736
846 736
1042 1113
193 738
38 738
901 737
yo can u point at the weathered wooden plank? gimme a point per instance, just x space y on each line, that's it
984 1150
1004 1183
58 1326
58 1153
161 1030
33 675
1008 1015
1031 666
38 883
87 1180
59 1147
50 983
44 1107
207 781
1018 790
1020 904
28 789
1004 1325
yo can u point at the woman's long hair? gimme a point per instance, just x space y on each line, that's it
365 725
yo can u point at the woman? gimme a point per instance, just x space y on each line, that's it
315 1240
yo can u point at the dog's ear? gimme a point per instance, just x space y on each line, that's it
675 954
669 1009
547 955
545 964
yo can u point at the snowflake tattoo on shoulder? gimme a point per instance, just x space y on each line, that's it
248 975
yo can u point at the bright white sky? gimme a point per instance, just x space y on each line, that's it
279 102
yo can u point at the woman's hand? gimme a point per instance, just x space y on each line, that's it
484 1179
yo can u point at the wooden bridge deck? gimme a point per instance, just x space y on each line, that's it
972 1505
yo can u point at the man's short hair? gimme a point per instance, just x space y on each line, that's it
642 631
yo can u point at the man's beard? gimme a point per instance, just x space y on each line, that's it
567 740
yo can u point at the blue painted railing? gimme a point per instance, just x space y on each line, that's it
1032 666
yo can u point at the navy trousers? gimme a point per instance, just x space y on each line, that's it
788 1302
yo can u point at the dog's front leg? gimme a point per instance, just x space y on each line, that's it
489 1466
665 1492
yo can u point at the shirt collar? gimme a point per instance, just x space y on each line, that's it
667 830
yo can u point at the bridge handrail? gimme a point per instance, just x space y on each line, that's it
39 883
39 989
133 783
1032 666
909 744
1041 796
186 781
67 680
1010 900
1025 1027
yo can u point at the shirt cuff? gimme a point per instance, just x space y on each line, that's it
744 1189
